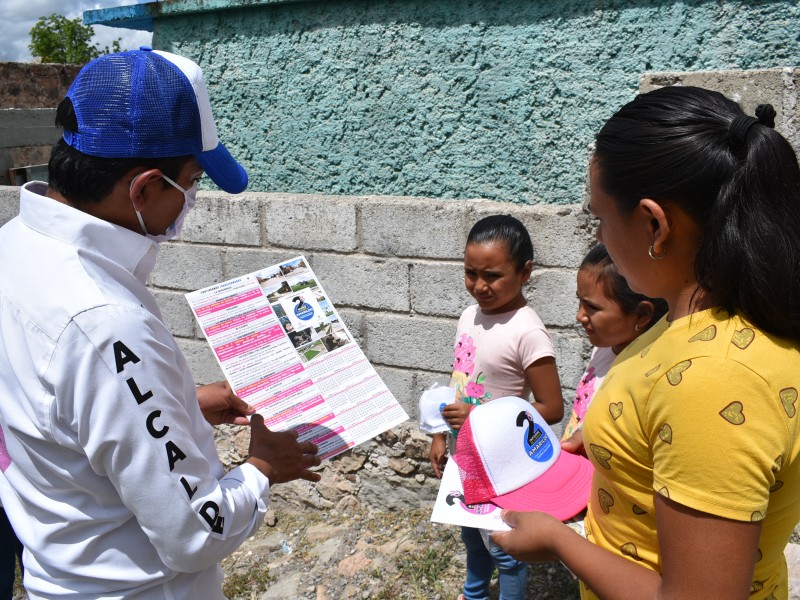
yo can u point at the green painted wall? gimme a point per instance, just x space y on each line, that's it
497 99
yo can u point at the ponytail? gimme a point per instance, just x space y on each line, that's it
734 175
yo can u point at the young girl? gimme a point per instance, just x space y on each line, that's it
501 349
695 434
612 315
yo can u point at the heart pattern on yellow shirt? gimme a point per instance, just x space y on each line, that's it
743 338
665 433
708 334
756 586
606 500
601 455
778 464
615 408
629 549
733 413
675 374
776 486
638 510
788 398
756 516
653 370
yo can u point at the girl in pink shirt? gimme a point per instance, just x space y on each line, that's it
502 349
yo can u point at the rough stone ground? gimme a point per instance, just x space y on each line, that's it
329 555
396 555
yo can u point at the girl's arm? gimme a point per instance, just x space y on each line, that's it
438 454
542 376
703 556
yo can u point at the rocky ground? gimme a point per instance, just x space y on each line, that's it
377 555
365 554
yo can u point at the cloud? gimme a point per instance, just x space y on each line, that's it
19 16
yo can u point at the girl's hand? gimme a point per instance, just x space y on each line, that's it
456 413
531 538
574 444
437 455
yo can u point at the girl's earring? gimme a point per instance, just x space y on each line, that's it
655 256
636 327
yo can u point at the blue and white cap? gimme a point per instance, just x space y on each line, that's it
149 104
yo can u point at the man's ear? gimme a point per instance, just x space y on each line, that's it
138 186
658 224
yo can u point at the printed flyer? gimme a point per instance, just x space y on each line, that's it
451 509
285 351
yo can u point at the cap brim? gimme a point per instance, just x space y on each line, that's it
223 170
562 491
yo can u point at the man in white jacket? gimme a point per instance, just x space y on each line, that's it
109 471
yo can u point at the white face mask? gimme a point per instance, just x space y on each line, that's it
174 230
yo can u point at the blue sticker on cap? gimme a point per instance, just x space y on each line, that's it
538 446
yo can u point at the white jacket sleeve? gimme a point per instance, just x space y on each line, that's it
125 396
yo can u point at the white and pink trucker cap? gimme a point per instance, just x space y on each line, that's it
508 455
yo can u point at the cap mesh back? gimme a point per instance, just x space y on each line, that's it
477 486
135 105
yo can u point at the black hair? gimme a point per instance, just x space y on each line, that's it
599 263
506 229
81 178
734 175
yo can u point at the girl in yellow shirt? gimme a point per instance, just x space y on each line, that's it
695 433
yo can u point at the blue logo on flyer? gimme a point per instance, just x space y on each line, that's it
303 310
538 446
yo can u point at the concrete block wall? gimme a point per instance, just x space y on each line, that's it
779 87
392 266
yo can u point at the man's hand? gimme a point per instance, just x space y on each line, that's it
279 455
456 413
220 405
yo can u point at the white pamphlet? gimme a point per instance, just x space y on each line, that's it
285 351
450 507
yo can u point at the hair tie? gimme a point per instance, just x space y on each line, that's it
738 129
741 124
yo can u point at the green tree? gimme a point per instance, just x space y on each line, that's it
57 39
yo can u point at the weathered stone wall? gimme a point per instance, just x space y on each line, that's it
447 98
29 94
34 85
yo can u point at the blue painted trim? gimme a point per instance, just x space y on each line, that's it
141 16
136 16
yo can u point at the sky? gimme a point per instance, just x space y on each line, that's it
19 16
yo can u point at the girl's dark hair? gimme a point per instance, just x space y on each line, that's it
616 287
734 175
82 179
506 229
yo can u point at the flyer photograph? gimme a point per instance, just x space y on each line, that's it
285 351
